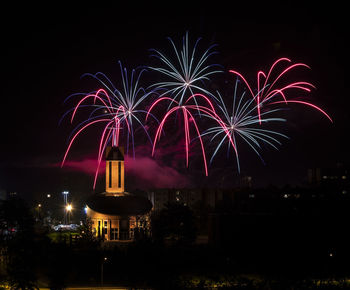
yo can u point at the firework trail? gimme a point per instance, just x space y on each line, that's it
187 74
187 109
242 122
116 109
184 88
268 87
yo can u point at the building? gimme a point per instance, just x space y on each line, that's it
3 195
191 197
335 180
118 215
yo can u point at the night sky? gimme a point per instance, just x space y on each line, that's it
46 49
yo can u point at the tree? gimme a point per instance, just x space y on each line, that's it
175 223
18 238
87 236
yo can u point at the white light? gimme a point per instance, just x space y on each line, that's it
48 196
65 192
69 207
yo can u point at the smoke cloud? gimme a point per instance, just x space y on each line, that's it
142 171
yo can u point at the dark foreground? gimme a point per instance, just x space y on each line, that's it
284 250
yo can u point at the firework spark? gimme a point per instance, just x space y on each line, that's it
187 74
188 117
268 88
242 122
117 109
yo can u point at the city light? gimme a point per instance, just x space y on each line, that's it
69 207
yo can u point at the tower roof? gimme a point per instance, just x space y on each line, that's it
115 153
119 205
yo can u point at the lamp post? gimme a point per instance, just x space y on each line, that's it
65 200
38 208
103 260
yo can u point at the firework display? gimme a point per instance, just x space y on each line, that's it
246 116
269 88
188 111
118 110
187 74
243 122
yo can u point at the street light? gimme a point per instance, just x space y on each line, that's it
68 211
38 208
103 260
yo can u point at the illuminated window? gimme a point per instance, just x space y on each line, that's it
110 174
105 226
119 174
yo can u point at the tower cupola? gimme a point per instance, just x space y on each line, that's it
115 171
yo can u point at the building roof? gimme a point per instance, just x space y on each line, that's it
126 205
114 153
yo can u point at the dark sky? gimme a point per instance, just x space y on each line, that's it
47 48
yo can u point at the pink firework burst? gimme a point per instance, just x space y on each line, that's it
268 87
187 110
116 109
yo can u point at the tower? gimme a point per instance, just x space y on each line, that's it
115 171
117 215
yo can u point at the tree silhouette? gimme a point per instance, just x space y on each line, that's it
18 238
175 223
